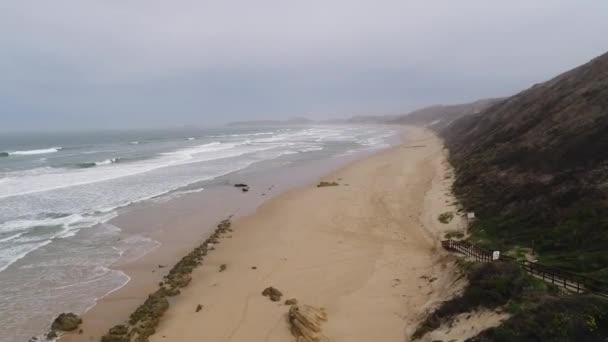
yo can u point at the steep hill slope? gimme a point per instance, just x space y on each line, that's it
534 167
441 116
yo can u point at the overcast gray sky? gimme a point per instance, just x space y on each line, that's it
71 64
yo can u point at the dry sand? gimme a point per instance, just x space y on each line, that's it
367 251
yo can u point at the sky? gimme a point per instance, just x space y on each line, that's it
74 64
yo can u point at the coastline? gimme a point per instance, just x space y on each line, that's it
179 224
261 236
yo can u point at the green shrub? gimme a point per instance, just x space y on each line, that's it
571 318
446 217
491 285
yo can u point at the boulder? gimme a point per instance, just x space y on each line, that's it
274 294
66 322
291 301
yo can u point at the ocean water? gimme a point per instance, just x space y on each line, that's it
58 193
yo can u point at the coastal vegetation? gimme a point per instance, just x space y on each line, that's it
533 167
446 217
538 311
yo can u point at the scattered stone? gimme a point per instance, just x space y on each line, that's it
324 184
305 323
291 301
223 267
199 308
274 294
66 322
254 267
51 335
241 185
245 189
161 266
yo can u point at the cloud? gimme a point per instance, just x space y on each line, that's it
111 63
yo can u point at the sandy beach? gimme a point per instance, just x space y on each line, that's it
367 251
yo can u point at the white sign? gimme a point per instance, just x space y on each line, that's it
471 216
495 255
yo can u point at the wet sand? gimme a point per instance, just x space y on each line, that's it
367 251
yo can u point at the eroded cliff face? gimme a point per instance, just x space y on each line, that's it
534 167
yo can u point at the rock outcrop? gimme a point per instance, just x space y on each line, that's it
144 320
305 323
66 322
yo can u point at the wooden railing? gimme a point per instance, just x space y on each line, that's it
567 280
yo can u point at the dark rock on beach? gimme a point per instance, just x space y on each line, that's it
241 185
274 294
291 301
66 322
119 330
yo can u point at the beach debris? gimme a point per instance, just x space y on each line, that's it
161 266
274 294
241 185
291 301
324 184
305 323
199 308
66 322
254 267
223 267
245 189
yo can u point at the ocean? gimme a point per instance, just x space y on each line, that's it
58 191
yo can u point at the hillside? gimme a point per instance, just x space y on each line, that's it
441 116
534 168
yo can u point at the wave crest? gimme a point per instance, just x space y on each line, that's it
31 152
99 163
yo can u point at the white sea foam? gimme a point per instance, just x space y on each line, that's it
107 162
11 237
32 152
13 254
